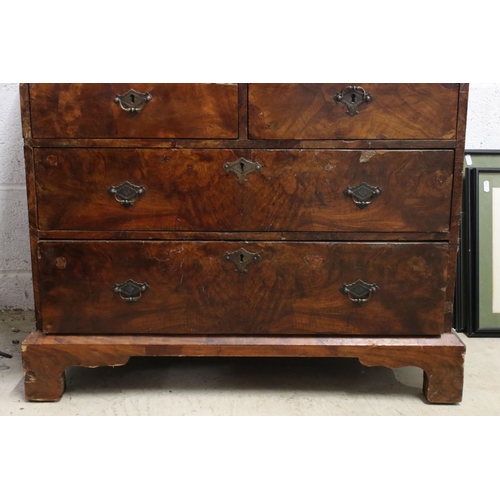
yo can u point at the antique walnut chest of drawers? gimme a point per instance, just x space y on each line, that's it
244 220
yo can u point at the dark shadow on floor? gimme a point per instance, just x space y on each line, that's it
338 375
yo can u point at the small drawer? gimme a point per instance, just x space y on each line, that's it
103 287
353 111
134 110
263 190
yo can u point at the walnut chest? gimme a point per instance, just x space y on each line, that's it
244 220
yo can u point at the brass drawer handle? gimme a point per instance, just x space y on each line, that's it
241 258
130 291
362 194
359 291
242 167
126 194
133 101
353 97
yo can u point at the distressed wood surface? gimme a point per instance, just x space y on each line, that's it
294 288
456 204
308 111
29 163
242 111
241 143
35 278
24 97
240 236
33 224
187 111
189 190
45 358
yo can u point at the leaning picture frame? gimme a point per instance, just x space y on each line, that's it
481 232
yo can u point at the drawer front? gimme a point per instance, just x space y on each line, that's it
393 111
242 288
294 190
190 111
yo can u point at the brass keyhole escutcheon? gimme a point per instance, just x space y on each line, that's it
241 259
242 167
353 97
133 101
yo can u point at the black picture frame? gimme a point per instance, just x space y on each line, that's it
472 294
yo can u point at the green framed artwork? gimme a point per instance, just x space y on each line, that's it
481 231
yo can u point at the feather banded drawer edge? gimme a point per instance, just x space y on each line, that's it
244 220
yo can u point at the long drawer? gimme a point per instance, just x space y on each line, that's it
151 110
242 287
244 190
352 111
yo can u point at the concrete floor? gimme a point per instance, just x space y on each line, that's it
245 386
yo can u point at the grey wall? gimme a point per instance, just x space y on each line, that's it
15 269
483 117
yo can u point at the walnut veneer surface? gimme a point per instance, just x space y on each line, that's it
258 211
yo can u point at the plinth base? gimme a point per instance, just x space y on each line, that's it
46 357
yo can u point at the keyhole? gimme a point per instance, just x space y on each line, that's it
241 258
242 166
132 98
353 98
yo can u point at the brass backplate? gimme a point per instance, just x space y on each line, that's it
241 259
242 167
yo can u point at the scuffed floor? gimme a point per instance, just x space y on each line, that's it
245 386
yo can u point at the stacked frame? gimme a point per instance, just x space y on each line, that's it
477 296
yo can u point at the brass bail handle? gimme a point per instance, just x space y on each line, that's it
362 194
359 291
126 194
130 290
